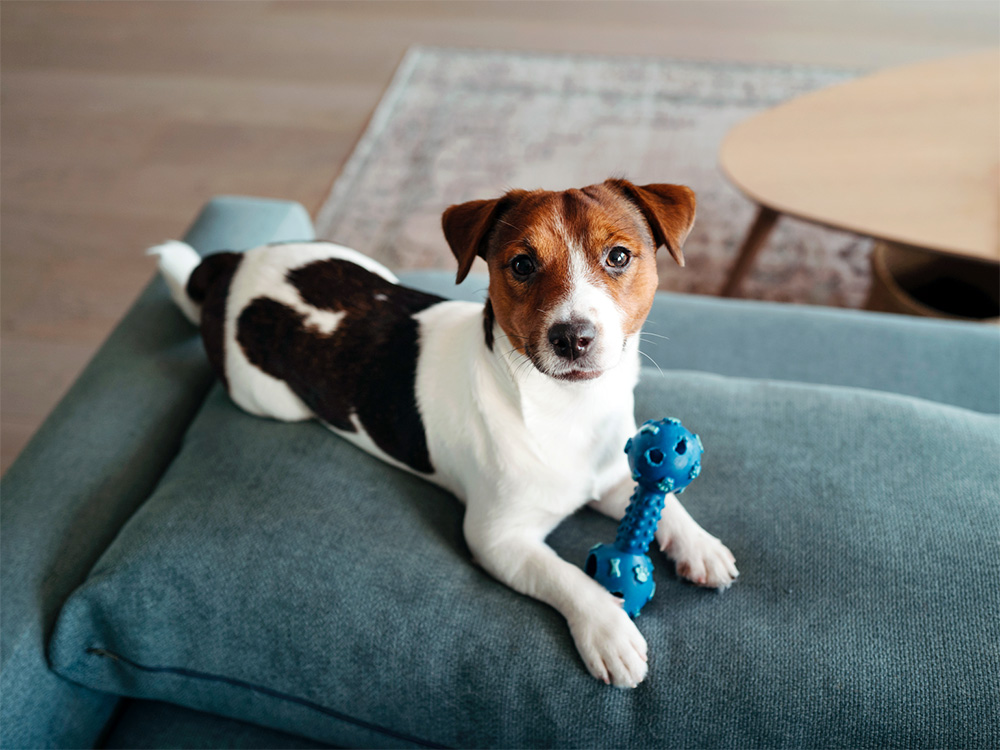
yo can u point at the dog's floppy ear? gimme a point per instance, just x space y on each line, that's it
467 228
669 210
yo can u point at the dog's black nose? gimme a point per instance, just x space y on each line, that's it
571 340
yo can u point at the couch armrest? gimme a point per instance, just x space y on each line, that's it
92 463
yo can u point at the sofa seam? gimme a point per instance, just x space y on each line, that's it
270 692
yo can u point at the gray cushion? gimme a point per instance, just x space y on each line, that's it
279 575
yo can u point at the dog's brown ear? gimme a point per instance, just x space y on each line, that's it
467 228
669 210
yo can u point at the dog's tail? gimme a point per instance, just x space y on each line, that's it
177 261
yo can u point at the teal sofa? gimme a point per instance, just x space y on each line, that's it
176 573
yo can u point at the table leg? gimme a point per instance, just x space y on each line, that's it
754 241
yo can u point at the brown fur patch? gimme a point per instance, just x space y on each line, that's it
669 210
367 366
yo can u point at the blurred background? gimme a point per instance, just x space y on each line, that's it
120 119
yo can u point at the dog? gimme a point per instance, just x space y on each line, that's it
520 406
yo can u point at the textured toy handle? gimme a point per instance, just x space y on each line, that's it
664 457
637 529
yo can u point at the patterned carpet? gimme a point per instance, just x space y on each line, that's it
456 125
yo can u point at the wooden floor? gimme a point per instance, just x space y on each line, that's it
119 119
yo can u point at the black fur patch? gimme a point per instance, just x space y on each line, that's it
488 318
367 366
209 286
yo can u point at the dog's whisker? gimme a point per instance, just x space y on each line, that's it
525 366
513 354
650 333
520 359
653 361
513 350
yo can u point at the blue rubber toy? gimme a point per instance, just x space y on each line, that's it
664 457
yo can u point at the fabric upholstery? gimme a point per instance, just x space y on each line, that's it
91 464
281 576
946 361
150 724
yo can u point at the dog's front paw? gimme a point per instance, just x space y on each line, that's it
702 559
611 645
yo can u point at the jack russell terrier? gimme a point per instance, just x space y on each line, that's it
520 407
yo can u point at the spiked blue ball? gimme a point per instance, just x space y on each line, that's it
664 455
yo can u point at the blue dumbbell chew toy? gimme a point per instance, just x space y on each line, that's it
664 457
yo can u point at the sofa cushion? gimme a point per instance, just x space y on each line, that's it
281 576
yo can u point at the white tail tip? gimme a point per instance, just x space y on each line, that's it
176 262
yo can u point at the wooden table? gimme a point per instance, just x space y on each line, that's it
909 155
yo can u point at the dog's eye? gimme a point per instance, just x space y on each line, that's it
522 266
618 257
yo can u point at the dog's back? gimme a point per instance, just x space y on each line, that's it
302 330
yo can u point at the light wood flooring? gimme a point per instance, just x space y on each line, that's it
119 119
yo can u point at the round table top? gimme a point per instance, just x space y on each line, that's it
908 154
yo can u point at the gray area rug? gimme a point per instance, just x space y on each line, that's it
457 125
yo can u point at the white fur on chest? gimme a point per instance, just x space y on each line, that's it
499 430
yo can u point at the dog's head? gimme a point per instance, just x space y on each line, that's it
572 273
